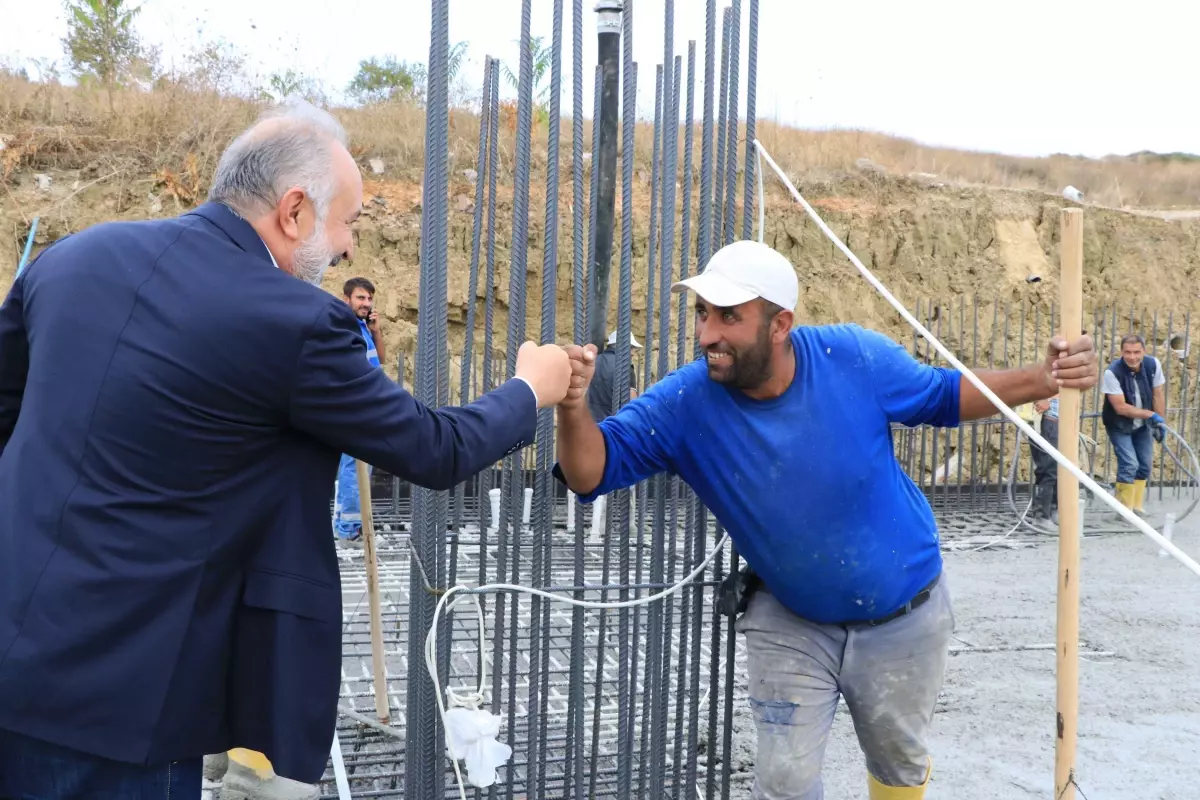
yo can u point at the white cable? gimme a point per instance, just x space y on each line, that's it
476 699
1013 417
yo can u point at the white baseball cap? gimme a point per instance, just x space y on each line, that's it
743 271
612 339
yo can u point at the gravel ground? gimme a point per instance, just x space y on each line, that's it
993 738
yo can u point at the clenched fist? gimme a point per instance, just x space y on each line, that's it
548 370
1071 365
583 365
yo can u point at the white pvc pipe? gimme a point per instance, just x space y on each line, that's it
494 501
527 513
339 769
570 511
1012 416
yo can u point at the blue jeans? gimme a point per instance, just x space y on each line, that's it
34 770
1135 453
347 517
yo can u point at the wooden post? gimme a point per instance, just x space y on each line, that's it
1071 287
382 707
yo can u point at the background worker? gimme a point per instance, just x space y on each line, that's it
783 432
1134 405
1045 468
600 403
359 294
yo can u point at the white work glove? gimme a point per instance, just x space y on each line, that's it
471 737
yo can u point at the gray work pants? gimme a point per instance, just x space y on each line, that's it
890 676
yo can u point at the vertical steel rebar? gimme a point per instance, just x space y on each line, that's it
718 229
642 490
620 499
678 487
658 657
573 770
423 754
468 358
696 522
751 100
732 116
542 487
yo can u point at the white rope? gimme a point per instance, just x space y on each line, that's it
476 699
1012 416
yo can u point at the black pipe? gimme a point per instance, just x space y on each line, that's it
605 162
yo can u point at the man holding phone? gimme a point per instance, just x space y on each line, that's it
359 294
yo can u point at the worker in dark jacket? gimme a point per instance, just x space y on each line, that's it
600 404
1134 404
174 395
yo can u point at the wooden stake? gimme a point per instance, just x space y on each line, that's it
382 707
1071 287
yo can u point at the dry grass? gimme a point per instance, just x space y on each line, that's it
176 134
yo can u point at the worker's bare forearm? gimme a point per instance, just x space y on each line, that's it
1160 402
581 452
1014 387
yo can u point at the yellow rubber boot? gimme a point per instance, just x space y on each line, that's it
1125 494
878 791
1139 496
251 777
253 760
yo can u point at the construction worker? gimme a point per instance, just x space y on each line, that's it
784 434
359 294
1134 404
600 401
1045 468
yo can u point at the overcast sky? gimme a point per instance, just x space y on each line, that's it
1029 77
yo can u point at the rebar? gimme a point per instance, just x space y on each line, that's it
731 114
543 523
468 358
718 217
574 770
421 717
751 97
619 514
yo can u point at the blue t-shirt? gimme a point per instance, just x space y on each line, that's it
807 484
372 353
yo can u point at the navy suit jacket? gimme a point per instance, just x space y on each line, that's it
172 410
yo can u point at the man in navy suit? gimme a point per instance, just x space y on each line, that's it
174 397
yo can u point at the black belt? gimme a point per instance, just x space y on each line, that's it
916 602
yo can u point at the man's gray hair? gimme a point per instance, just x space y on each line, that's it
290 145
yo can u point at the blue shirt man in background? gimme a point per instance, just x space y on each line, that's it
784 433
359 294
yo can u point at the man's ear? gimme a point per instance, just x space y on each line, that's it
782 325
290 207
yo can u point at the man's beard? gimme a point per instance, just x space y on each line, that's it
746 369
314 256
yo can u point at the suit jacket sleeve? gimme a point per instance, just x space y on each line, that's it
339 398
14 359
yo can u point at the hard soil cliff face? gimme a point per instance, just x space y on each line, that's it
924 241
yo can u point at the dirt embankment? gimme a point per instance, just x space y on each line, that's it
925 242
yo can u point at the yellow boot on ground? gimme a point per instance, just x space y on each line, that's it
1125 494
251 777
1139 496
878 791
